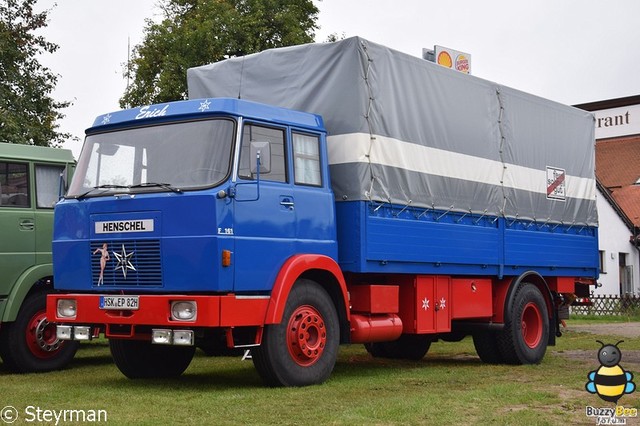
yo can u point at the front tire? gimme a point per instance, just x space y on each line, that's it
29 344
526 332
303 348
139 359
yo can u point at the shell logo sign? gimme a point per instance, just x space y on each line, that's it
453 59
444 59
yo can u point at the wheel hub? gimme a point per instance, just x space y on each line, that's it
306 335
531 325
41 336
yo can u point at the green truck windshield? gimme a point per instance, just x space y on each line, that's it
163 157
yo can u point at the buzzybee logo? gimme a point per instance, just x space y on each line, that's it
610 381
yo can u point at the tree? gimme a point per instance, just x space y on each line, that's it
28 113
198 32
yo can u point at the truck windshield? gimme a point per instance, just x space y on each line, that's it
167 157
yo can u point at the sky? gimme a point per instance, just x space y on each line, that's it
569 51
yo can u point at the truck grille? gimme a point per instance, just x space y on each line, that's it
130 263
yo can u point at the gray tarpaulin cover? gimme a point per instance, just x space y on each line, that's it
405 130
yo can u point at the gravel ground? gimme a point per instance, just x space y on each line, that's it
616 332
623 329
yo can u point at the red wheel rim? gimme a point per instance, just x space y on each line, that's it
41 337
531 325
306 335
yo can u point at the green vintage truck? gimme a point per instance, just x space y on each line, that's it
31 181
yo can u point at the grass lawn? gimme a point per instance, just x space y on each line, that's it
449 386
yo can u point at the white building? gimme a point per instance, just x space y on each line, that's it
619 259
617 134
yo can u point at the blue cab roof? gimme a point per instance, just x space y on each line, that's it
200 108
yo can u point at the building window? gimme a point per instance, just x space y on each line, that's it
603 261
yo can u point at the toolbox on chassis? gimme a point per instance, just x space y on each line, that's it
32 179
438 206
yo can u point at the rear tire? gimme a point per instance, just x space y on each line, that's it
139 359
486 344
303 348
409 346
29 344
526 332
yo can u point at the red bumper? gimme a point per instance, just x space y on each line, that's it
155 310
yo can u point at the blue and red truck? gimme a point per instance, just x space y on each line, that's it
324 194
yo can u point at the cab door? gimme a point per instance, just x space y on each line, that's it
17 223
48 190
264 210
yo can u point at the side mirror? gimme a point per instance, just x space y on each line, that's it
261 152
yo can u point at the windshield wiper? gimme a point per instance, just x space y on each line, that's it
105 187
139 185
157 184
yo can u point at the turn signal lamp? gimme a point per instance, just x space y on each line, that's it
226 258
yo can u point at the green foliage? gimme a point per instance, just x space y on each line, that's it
28 113
633 316
198 32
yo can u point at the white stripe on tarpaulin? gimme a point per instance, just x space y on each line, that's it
386 151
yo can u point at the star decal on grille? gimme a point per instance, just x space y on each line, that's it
124 261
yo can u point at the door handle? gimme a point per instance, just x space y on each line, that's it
27 225
287 202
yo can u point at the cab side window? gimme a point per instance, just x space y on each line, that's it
14 185
47 185
275 137
306 159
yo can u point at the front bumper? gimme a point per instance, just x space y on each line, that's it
154 311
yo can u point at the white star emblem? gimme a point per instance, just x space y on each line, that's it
425 304
443 303
106 119
204 106
124 261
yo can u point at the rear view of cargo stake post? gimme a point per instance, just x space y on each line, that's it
32 179
407 203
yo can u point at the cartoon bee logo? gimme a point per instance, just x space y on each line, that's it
610 381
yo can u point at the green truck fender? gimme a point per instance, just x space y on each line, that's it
27 281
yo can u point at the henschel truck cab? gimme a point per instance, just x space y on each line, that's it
223 221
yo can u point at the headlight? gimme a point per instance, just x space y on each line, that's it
67 308
183 310
161 336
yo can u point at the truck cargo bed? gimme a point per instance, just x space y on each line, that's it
385 238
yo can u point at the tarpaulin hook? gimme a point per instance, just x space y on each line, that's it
484 213
443 214
403 209
462 217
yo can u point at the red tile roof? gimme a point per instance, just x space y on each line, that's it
618 161
628 198
618 169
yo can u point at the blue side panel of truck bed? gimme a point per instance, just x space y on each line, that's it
375 238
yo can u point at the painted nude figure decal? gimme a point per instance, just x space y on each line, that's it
104 258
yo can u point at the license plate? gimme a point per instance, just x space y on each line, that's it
119 303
